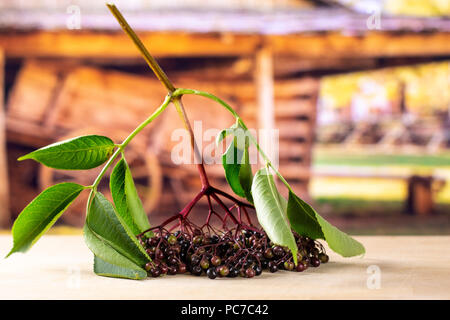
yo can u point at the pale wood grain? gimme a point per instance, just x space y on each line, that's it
411 268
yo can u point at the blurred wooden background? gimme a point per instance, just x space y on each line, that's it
266 63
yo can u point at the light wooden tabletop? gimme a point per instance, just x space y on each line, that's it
60 267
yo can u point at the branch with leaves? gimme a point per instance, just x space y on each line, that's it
119 233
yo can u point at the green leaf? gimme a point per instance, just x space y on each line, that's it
105 269
41 213
306 221
236 163
231 161
246 176
126 199
109 262
225 133
271 211
79 153
103 220
303 218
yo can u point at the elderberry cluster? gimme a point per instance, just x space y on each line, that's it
241 252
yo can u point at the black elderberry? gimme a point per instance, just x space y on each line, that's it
300 267
172 270
172 260
195 259
196 270
181 268
211 273
214 239
258 270
153 242
164 269
278 251
155 272
268 253
233 273
264 264
315 262
183 255
228 254
250 273
184 245
169 252
273 267
159 255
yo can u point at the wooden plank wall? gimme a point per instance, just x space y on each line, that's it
4 184
116 102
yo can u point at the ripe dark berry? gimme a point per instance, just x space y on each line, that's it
196 270
214 238
153 242
315 262
185 245
172 260
228 254
250 273
183 255
181 268
278 251
159 255
273 267
195 259
169 252
233 273
215 261
172 270
155 272
300 267
164 269
264 264
258 270
211 273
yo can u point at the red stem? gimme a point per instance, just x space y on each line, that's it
226 195
224 207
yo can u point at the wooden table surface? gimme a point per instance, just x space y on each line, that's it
60 267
